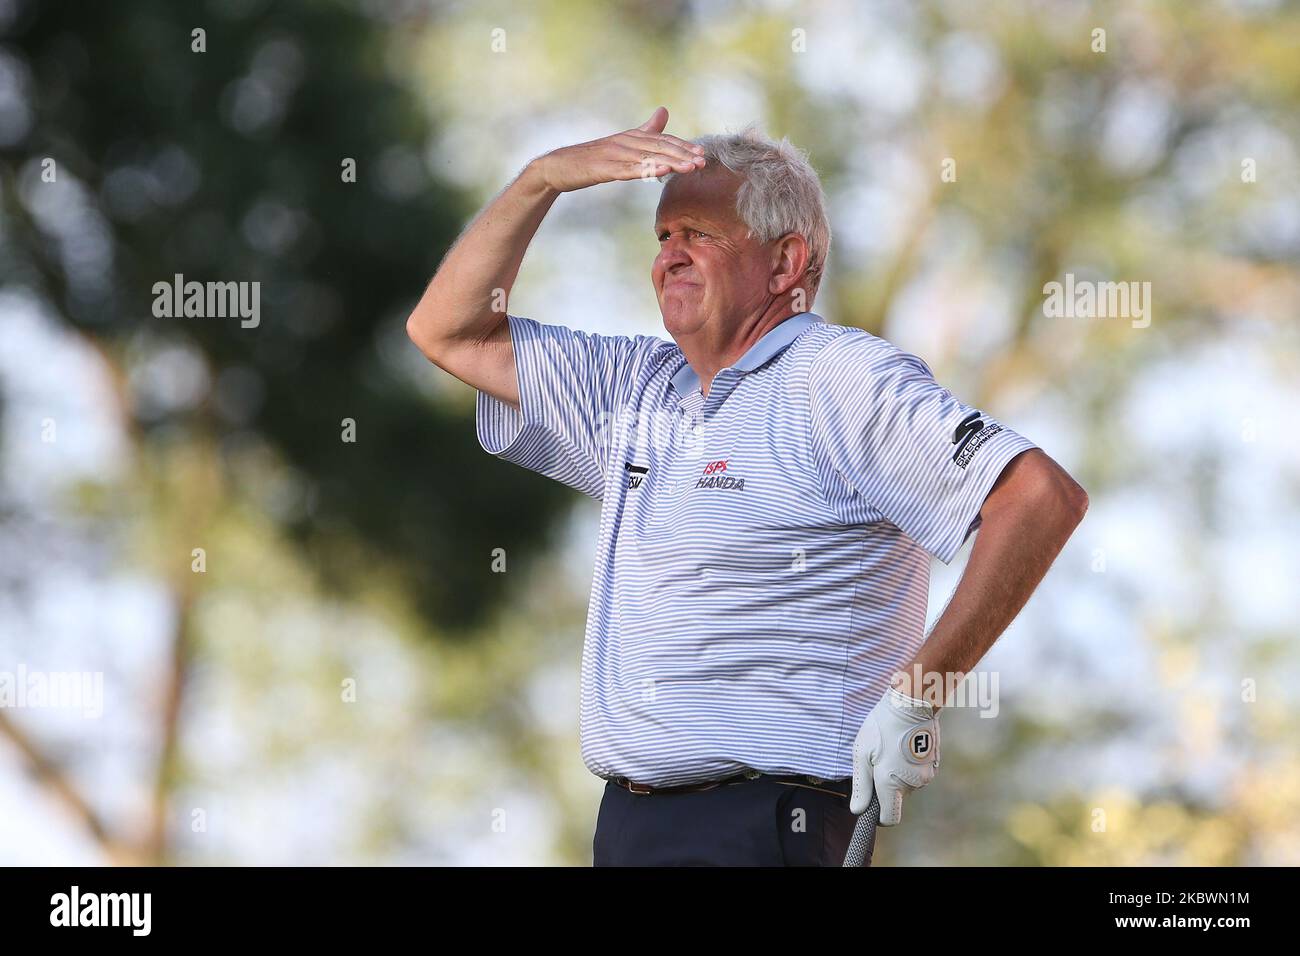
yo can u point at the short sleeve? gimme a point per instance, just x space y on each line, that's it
572 386
886 434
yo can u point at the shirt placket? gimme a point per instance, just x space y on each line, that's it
698 416
687 437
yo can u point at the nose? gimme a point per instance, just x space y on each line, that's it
672 255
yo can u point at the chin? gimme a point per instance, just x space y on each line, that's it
679 321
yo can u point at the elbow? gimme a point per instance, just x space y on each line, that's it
1036 485
420 324
1075 502
1063 496
413 327
419 332
417 322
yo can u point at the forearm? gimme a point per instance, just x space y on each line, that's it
466 299
1023 529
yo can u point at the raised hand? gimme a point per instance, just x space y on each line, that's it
643 152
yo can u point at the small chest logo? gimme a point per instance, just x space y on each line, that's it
714 477
636 474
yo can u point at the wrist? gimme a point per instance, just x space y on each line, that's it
912 705
534 177
913 690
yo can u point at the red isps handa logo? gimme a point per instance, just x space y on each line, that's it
713 477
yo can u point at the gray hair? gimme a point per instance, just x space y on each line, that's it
780 193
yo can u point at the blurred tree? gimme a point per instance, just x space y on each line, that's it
1127 163
228 165
147 141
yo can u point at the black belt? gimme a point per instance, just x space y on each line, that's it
841 788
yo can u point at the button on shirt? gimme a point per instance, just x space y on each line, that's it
763 558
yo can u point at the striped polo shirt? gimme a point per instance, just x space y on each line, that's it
763 558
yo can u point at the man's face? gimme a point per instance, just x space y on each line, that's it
708 275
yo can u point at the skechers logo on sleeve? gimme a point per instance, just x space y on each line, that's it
713 477
970 436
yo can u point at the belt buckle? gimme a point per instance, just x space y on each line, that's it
638 788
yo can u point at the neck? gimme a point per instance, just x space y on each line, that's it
709 354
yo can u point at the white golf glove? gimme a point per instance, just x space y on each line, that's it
895 752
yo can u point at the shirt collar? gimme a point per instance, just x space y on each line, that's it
773 342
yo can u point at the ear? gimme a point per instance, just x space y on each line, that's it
789 263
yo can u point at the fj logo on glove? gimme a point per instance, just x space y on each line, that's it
918 744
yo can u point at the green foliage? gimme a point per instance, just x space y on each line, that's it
226 165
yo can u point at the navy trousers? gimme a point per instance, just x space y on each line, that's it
759 822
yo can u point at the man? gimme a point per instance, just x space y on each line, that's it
772 489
